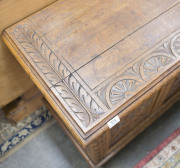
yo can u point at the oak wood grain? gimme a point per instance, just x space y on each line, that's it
100 71
87 108
82 30
96 60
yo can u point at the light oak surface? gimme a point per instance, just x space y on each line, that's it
95 60
13 81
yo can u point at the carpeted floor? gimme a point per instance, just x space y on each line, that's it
13 137
165 155
52 148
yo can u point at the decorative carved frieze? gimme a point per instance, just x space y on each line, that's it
143 70
84 106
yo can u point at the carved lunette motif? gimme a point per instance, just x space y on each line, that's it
86 110
142 71
122 89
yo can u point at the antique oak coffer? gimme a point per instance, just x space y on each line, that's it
107 69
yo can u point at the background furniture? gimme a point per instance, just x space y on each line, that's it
13 80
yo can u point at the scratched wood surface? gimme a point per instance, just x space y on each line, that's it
94 60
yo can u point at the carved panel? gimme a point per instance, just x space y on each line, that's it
131 119
98 148
174 88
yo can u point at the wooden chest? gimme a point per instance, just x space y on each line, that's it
107 68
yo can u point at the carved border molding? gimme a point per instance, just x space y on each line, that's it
82 105
129 81
86 110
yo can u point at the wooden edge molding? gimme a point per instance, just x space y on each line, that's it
84 108
74 104
43 88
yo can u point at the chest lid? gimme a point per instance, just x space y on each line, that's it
90 58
